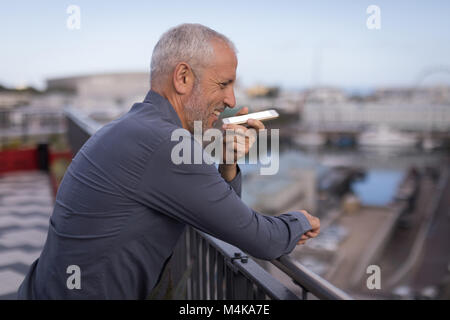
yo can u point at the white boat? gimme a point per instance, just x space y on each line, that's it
386 137
310 139
429 144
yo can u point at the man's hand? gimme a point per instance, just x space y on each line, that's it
239 139
237 142
314 232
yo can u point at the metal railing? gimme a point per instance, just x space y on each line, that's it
204 267
218 270
210 269
79 128
311 283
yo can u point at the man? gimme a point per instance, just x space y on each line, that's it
123 203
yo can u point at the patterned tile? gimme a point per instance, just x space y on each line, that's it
26 203
14 221
10 257
30 237
26 209
10 281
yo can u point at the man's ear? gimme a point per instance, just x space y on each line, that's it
183 78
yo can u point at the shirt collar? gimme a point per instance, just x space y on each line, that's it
165 107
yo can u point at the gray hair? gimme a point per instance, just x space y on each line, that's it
190 43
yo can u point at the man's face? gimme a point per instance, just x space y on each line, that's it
215 90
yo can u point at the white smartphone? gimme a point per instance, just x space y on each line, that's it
261 116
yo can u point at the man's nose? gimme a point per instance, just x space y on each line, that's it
230 99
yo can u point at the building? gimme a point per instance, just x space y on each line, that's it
103 96
401 115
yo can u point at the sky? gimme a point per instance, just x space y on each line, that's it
292 44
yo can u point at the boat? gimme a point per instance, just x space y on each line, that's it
310 139
429 144
383 136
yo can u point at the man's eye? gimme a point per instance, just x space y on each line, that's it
223 84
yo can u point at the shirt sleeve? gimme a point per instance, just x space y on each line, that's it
196 194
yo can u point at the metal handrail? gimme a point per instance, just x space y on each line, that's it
250 269
85 123
309 281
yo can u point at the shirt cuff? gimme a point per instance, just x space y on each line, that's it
298 225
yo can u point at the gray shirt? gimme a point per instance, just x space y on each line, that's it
123 204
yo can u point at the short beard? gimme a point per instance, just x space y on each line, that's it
196 109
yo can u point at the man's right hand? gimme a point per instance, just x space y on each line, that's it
314 232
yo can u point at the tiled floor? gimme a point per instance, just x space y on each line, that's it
26 203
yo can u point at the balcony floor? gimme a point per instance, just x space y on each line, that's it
26 203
